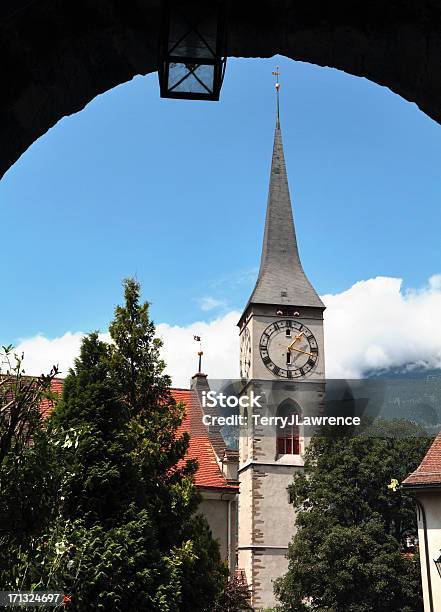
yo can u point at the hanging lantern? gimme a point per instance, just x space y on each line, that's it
192 54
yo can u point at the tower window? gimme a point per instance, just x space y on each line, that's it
288 332
288 442
288 437
288 358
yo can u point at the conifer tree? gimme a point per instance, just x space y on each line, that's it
126 536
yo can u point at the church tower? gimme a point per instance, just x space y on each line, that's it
281 359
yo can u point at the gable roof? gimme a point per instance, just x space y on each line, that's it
209 474
428 473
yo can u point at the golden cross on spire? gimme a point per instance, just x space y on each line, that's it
276 73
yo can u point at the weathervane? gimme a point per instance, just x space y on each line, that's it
200 352
276 73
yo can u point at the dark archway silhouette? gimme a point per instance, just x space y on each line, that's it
57 56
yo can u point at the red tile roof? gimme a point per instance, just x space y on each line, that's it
428 473
208 475
47 405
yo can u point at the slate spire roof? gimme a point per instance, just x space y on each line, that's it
281 277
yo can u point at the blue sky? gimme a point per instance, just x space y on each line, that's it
175 192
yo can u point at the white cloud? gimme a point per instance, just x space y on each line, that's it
372 324
41 353
377 324
209 303
435 281
219 343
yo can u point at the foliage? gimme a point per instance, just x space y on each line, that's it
235 597
122 531
27 470
20 399
352 524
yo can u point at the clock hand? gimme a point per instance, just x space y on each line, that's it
300 351
295 340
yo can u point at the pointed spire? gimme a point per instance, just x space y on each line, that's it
281 277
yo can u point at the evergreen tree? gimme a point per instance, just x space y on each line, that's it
352 524
126 535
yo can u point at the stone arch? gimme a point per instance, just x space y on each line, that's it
57 56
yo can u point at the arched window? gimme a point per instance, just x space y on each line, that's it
288 437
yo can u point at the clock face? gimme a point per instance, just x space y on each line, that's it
288 349
245 353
